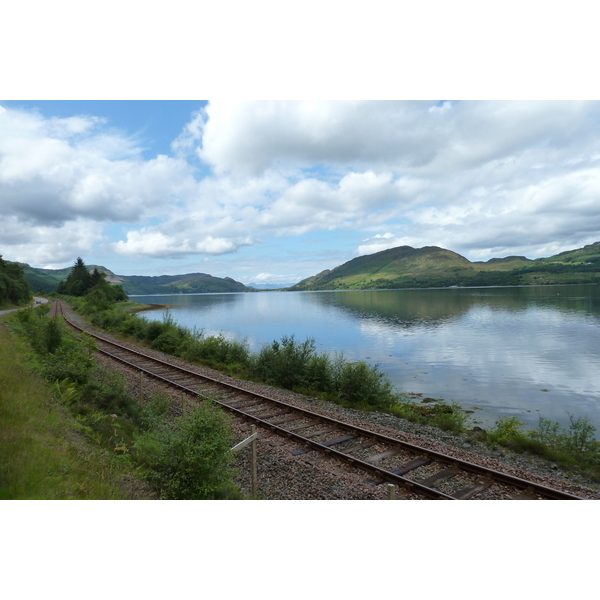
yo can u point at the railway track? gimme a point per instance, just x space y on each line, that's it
416 471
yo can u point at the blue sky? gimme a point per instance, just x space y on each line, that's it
169 160
275 191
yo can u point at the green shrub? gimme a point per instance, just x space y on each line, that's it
580 438
285 363
153 330
216 350
189 459
505 430
53 335
361 383
450 418
168 341
319 373
107 392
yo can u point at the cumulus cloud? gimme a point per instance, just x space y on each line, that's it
480 178
152 242
46 245
250 137
56 174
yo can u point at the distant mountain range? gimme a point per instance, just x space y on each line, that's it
407 267
269 286
400 267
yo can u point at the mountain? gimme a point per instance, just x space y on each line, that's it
190 283
406 267
46 280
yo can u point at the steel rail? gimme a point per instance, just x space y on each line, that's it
461 464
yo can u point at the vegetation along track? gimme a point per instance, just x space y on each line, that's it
418 472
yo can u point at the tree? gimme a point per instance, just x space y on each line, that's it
78 282
14 289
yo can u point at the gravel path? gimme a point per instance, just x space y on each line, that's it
307 476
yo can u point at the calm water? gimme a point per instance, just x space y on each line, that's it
496 351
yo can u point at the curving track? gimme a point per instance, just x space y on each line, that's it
418 471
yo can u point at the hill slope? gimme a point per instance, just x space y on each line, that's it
405 267
46 280
190 283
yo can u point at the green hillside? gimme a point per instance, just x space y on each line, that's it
47 280
406 267
191 283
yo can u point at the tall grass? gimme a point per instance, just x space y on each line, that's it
106 424
42 454
573 448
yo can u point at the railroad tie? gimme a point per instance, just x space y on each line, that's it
438 477
328 443
377 457
470 490
524 495
279 413
318 433
411 466
361 446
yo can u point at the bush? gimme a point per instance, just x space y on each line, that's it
578 441
450 418
189 460
285 363
505 430
360 383
53 335
168 341
153 330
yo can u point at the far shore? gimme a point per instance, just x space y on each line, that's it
145 307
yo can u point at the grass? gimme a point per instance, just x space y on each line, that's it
42 455
71 429
449 417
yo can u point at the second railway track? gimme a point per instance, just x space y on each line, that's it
416 471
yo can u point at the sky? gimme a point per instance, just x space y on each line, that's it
276 191
200 141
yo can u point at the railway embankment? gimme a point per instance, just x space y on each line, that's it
280 482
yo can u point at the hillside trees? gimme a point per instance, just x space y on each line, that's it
99 292
13 287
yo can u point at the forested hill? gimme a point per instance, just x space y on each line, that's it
47 280
189 283
14 289
406 267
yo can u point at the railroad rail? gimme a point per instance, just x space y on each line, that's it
414 469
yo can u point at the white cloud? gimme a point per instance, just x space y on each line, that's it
154 243
381 242
57 172
250 137
48 246
474 177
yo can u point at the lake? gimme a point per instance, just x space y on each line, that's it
519 351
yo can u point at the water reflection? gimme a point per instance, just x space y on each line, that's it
508 351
